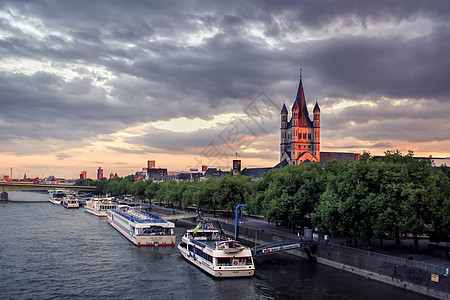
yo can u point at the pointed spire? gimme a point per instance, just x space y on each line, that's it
284 109
316 107
300 104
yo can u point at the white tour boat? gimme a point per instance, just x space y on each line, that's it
70 201
217 256
55 196
99 205
140 228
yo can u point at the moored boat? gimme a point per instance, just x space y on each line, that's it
205 248
56 196
99 205
70 201
140 228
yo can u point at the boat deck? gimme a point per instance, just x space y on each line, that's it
140 217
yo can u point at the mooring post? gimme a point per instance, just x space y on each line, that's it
236 223
4 197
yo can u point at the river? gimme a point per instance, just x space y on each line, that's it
48 252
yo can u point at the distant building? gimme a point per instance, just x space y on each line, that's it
83 175
258 173
204 168
99 173
236 167
156 173
189 175
151 164
111 175
214 172
339 156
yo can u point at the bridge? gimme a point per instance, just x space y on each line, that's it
284 245
13 186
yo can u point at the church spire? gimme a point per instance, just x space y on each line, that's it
284 109
300 104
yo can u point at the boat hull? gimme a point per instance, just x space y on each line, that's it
55 201
68 205
98 213
229 271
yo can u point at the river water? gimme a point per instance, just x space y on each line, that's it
48 252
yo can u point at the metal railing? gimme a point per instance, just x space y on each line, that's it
438 269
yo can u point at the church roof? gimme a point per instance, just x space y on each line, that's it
255 172
284 109
281 164
300 104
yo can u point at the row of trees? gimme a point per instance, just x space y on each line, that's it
384 198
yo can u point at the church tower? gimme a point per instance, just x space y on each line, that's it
300 137
316 143
284 131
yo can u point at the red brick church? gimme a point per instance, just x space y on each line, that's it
300 136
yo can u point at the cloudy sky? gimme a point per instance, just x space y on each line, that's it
85 84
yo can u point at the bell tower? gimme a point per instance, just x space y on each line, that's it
284 131
316 138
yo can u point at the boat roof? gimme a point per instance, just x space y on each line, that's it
141 217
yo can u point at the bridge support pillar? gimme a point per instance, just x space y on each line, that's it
4 197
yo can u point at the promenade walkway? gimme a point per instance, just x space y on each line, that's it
398 254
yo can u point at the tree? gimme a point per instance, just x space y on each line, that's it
85 182
232 190
289 194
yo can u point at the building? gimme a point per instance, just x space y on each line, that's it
236 166
99 173
339 156
83 175
151 164
300 137
214 172
156 173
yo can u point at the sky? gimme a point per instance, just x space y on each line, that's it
112 84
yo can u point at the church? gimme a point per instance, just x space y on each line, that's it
300 137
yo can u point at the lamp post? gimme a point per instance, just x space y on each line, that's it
236 224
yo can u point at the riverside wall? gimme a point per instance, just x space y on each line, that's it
391 270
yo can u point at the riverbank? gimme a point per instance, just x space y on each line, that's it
420 277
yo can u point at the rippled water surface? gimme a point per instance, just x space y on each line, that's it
48 252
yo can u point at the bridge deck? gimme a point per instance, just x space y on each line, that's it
10 186
279 246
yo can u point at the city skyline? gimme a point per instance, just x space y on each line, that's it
113 84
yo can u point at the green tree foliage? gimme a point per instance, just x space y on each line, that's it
85 182
288 195
397 194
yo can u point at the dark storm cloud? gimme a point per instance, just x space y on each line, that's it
395 67
156 71
423 121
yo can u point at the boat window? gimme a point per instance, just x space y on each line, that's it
224 261
156 231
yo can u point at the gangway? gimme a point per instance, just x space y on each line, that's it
284 245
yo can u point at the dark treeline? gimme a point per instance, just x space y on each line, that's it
390 197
